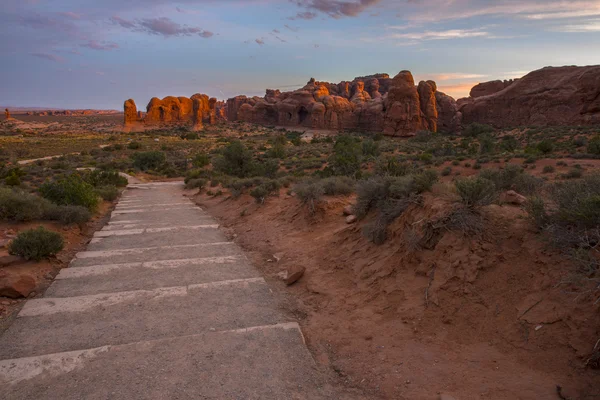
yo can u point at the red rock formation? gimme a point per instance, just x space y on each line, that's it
131 115
403 116
364 103
198 109
428 104
6 114
546 97
488 88
449 118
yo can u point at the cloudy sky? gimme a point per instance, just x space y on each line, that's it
97 53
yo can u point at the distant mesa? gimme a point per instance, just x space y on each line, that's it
195 111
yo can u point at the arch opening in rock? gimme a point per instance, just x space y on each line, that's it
302 115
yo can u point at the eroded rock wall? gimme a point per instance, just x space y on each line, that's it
551 96
375 103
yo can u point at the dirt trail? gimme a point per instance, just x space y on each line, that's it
160 305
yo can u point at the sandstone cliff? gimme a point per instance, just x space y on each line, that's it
375 103
546 97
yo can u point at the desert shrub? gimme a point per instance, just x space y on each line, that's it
13 179
509 143
370 148
337 185
149 160
486 143
423 181
347 156
134 145
392 166
475 129
545 146
476 191
574 173
278 149
236 160
593 146
70 191
68 215
422 136
309 192
512 177
196 183
35 244
108 192
561 163
536 208
573 220
20 206
446 171
190 136
200 160
548 169
102 178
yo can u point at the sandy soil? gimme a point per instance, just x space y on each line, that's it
431 311
75 238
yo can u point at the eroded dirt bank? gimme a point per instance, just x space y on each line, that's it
431 311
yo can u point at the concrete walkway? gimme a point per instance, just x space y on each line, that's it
160 306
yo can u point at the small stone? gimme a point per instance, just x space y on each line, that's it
347 210
350 219
278 256
293 274
537 328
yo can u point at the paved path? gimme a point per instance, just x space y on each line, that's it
159 306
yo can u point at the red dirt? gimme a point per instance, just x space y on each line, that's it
44 271
495 326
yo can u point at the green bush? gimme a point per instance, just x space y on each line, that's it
35 244
102 178
70 191
68 215
12 179
370 148
20 206
278 149
134 146
486 143
108 192
200 160
545 147
235 160
423 181
446 171
548 169
190 136
347 156
392 166
309 192
475 192
338 185
196 183
475 129
574 173
593 146
149 160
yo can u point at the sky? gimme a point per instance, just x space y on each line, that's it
98 53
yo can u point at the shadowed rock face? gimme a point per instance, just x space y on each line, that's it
547 97
488 88
374 103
